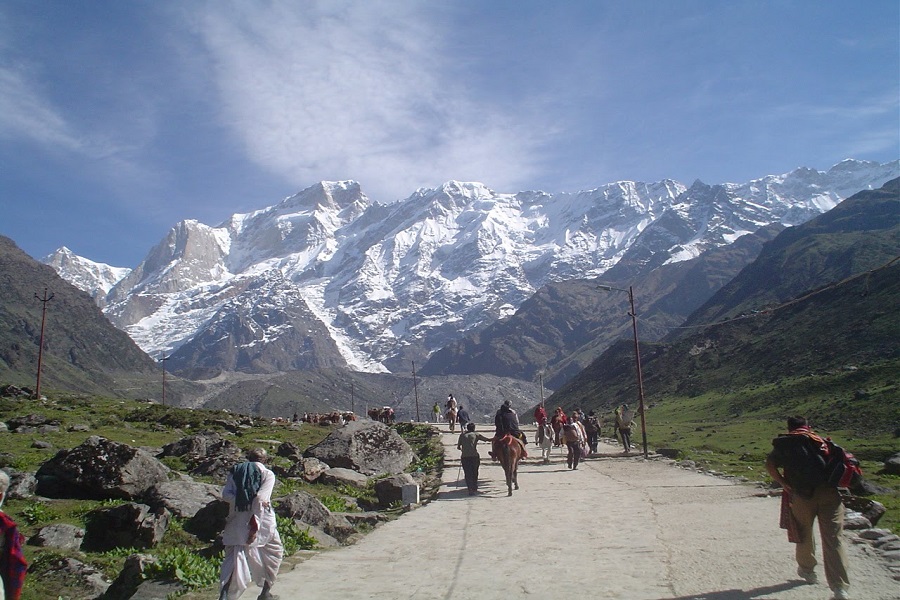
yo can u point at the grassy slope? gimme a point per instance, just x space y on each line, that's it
138 424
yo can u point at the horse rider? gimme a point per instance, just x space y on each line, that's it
506 421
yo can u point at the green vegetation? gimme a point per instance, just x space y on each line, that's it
731 433
181 556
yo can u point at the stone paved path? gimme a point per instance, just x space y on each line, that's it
618 527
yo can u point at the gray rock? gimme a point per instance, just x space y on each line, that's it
79 428
209 521
60 535
302 506
41 445
390 489
157 590
871 510
100 469
339 476
21 485
874 534
892 464
855 521
290 450
126 526
83 581
669 452
30 423
130 577
366 446
184 499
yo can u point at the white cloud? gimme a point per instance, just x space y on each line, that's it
338 90
25 114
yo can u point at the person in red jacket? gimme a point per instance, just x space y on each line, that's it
12 562
540 415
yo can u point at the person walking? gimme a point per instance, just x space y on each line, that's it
253 548
624 425
470 459
592 429
463 418
797 462
436 413
544 439
573 435
13 565
540 415
557 421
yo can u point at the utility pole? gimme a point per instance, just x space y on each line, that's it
637 360
351 397
416 388
162 361
44 301
541 374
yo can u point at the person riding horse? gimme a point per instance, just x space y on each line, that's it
506 421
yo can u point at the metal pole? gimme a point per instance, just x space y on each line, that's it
162 361
351 397
542 388
640 377
416 388
44 301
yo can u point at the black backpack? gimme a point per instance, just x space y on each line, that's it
842 469
803 462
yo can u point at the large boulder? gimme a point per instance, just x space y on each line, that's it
125 526
302 506
205 454
60 535
390 489
100 469
339 476
368 447
184 499
892 464
209 521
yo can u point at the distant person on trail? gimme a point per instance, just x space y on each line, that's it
558 419
253 549
575 438
506 421
624 425
436 413
592 429
544 439
13 565
470 459
462 416
540 415
797 462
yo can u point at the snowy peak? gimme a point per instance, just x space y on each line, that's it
387 284
97 279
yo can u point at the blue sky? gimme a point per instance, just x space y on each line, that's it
119 119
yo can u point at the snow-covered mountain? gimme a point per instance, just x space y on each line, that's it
95 278
329 277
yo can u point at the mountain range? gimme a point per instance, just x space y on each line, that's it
811 325
328 278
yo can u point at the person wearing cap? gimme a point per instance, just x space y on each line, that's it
506 421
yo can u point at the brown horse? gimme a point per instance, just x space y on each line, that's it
510 451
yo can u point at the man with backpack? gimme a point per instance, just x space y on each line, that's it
799 462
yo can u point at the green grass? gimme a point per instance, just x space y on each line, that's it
182 556
732 433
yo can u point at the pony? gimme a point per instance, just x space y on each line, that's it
510 451
451 418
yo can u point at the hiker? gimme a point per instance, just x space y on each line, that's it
470 459
558 419
506 421
436 413
797 463
540 415
574 437
544 439
463 418
624 425
592 429
253 549
13 565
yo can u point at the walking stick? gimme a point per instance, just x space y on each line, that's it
458 471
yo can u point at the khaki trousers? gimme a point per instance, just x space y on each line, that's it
825 505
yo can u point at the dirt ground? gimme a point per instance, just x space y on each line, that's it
617 527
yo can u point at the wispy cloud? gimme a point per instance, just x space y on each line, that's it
26 115
357 90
